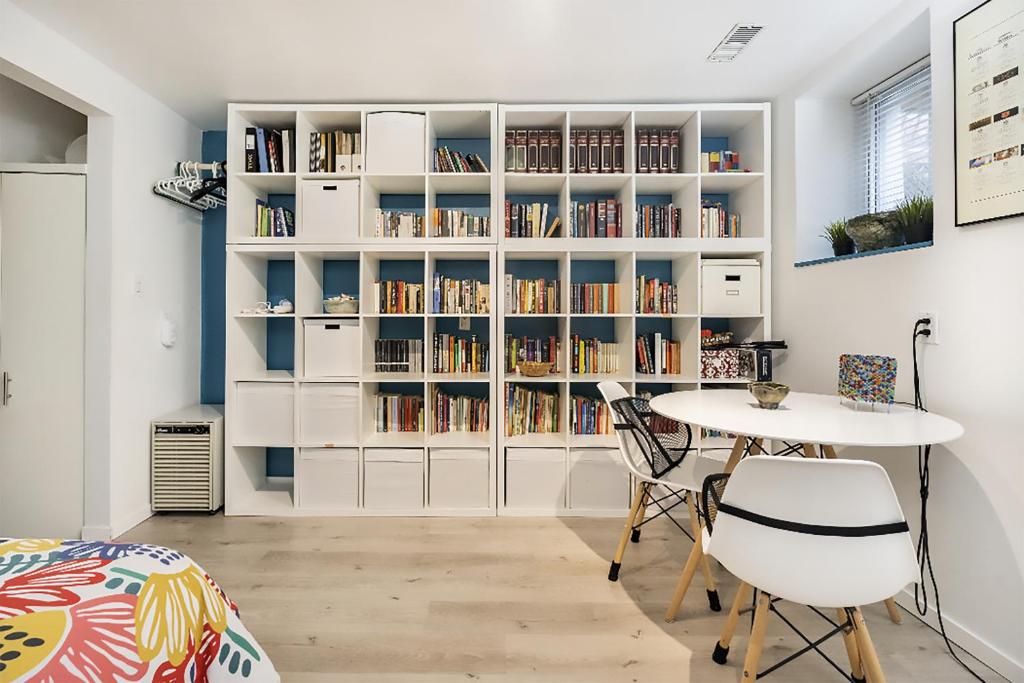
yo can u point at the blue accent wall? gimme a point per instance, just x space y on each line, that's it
212 301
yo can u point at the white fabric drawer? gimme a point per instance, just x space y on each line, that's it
393 478
535 478
264 414
328 478
598 479
331 347
460 477
329 211
395 142
730 287
329 414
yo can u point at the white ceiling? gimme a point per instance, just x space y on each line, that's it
197 55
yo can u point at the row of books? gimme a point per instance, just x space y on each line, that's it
659 423
531 411
588 415
657 150
454 354
388 223
596 151
398 355
273 221
335 152
460 297
656 355
528 220
398 413
533 151
540 349
458 223
589 356
659 220
601 218
449 161
715 221
269 151
656 297
721 161
598 297
454 413
398 296
532 296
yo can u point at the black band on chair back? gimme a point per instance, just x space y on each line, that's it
813 529
663 442
711 498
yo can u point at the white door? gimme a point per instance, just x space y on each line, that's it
42 319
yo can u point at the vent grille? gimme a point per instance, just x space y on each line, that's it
182 467
734 42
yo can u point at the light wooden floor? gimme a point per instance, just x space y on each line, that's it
423 600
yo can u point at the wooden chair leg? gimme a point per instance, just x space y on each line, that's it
894 611
641 493
756 637
850 641
722 646
809 451
640 514
689 569
737 452
868 656
705 567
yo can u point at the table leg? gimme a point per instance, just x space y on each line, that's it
737 452
638 499
809 451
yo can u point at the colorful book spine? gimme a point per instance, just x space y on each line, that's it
539 296
455 355
589 416
594 298
389 223
593 356
655 297
531 411
398 413
595 219
398 297
456 413
540 349
460 297
659 220
458 223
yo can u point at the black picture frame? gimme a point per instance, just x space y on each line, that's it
956 138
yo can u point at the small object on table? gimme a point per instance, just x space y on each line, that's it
341 304
534 368
768 394
867 379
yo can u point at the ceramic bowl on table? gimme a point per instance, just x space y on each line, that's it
768 394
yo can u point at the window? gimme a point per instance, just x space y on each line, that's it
894 138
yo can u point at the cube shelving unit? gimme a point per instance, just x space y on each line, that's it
458 473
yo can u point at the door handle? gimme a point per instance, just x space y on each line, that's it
5 389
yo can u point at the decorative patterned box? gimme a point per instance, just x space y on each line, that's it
870 379
720 363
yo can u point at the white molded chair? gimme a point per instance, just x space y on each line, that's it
826 533
686 479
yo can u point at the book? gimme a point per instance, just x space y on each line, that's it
521 151
593 356
450 161
658 150
398 355
656 355
273 221
458 223
537 296
261 148
642 151
528 220
594 298
531 411
457 413
334 152
593 152
532 151
544 151
655 297
556 151
658 220
601 218
398 413
582 152
460 297
606 151
394 223
510 150
589 415
252 162
398 297
715 221
572 151
618 152
454 354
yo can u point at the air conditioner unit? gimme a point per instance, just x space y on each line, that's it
187 460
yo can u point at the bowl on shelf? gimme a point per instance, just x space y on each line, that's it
341 305
768 394
534 368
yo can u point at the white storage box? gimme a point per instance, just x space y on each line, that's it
459 477
329 414
264 414
392 478
395 142
730 287
329 211
328 478
598 480
331 347
535 478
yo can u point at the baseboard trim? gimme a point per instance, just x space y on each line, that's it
96 533
129 522
979 649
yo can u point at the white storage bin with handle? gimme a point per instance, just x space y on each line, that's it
329 211
393 478
328 478
264 414
329 414
535 478
730 287
331 347
459 478
395 142
597 479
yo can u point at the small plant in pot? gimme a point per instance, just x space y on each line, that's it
835 233
915 216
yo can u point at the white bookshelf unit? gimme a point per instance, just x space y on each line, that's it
324 428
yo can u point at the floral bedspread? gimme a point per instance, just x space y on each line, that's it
98 612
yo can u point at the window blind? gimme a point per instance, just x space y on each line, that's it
894 142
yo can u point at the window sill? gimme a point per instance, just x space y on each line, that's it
862 254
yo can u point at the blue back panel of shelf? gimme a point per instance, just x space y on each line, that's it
653 325
401 269
403 388
284 201
401 328
532 269
474 389
588 389
280 331
473 204
655 388
341 277
550 199
660 269
479 146
714 144
588 197
280 462
533 328
595 328
416 203
212 297
464 269
592 271
477 326
722 199
653 199
716 325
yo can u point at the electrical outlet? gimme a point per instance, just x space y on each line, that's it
932 326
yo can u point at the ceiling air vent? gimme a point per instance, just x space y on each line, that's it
734 42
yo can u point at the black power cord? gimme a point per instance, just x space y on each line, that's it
924 558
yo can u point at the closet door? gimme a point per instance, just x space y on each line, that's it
42 318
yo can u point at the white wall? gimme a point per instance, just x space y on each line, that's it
34 128
972 278
132 235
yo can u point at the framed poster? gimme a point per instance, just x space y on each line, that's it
988 87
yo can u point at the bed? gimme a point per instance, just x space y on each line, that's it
90 611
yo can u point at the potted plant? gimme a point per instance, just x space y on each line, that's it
915 216
835 233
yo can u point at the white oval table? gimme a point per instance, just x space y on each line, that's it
804 421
